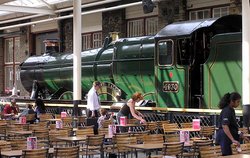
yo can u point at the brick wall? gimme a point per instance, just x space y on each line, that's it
171 11
114 21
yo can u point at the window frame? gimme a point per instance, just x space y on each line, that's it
144 26
92 40
172 53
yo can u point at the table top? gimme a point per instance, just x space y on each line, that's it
72 139
237 156
53 120
146 146
22 132
188 129
131 125
18 153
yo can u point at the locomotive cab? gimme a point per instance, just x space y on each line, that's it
180 81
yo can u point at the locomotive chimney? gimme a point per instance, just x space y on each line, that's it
114 36
51 45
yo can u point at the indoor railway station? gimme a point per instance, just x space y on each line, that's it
116 78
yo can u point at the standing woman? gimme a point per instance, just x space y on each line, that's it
228 128
129 108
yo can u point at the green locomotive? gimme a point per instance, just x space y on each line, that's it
188 64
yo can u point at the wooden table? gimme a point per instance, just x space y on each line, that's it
73 140
237 156
189 129
18 153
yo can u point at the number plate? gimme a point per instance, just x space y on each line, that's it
170 86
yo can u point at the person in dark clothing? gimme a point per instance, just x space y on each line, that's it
228 128
128 109
39 107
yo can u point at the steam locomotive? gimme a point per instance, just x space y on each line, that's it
188 64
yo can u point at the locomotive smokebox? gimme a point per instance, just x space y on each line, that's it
246 115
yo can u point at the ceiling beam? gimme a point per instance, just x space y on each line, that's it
5 1
48 5
24 9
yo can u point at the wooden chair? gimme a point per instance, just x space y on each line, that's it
210 151
66 152
121 141
159 125
104 131
187 125
245 149
153 138
139 136
5 146
30 118
18 144
42 135
57 116
53 141
45 116
200 143
87 130
170 127
81 121
172 137
173 149
67 121
35 153
94 145
132 121
106 123
207 132
3 131
152 127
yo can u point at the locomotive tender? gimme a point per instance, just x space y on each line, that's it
188 64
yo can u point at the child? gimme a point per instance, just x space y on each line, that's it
103 117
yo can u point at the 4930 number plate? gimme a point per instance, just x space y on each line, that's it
170 86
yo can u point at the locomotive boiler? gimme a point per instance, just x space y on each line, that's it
188 64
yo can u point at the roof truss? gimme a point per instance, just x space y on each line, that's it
25 9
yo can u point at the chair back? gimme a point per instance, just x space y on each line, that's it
67 121
5 145
139 135
35 153
173 149
30 118
45 116
152 127
41 134
153 138
210 151
3 131
187 125
18 144
106 123
170 127
201 143
66 152
87 130
172 137
207 132
94 144
245 149
104 131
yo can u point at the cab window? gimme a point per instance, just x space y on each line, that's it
165 51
